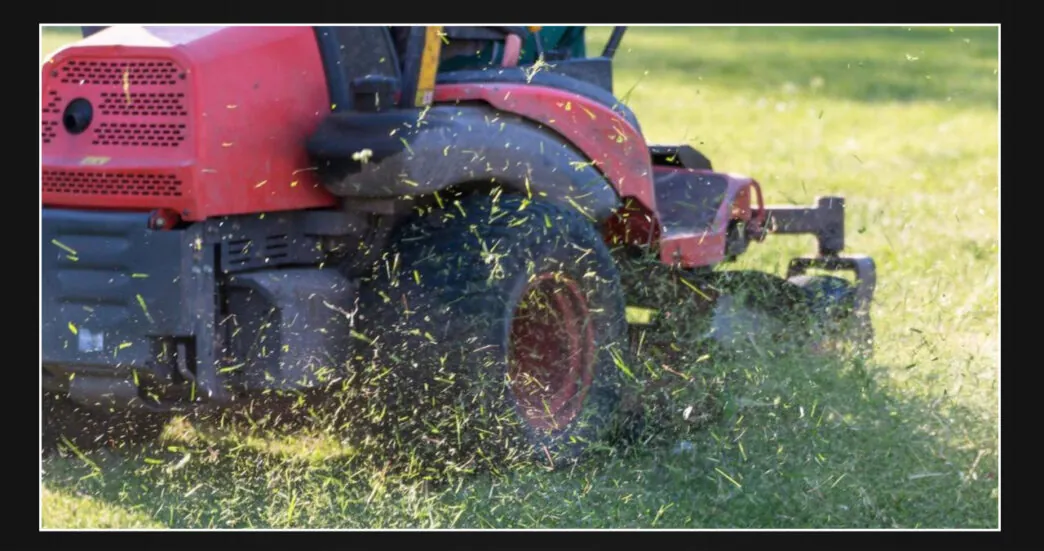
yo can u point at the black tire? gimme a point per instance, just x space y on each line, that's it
450 301
65 421
831 300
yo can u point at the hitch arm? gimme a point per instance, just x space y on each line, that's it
825 220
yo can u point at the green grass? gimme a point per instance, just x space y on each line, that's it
904 123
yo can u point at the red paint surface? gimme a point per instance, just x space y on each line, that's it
249 98
707 248
616 147
636 225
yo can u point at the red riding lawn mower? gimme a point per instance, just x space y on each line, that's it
237 212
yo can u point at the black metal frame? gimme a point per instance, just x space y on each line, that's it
861 265
344 89
336 84
411 64
614 42
826 221
177 339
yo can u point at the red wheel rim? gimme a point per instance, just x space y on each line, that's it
552 352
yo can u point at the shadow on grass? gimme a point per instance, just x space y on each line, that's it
796 446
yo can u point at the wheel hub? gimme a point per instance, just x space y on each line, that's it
552 352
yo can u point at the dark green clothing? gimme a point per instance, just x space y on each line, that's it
570 39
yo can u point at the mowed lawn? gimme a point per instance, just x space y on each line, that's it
901 121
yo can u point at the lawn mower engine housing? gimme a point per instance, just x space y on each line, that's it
184 228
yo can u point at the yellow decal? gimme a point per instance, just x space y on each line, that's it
126 85
429 64
95 161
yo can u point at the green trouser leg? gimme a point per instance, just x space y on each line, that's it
567 38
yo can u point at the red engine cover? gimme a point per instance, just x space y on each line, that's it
207 121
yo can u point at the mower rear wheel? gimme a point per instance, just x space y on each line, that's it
505 320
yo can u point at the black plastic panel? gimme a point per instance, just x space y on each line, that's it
688 202
350 53
110 285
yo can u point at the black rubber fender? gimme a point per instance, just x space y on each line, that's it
397 154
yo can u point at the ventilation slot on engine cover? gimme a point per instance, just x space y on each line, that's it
119 73
48 131
91 183
51 118
144 104
54 104
139 134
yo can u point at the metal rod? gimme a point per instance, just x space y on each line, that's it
614 42
539 43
